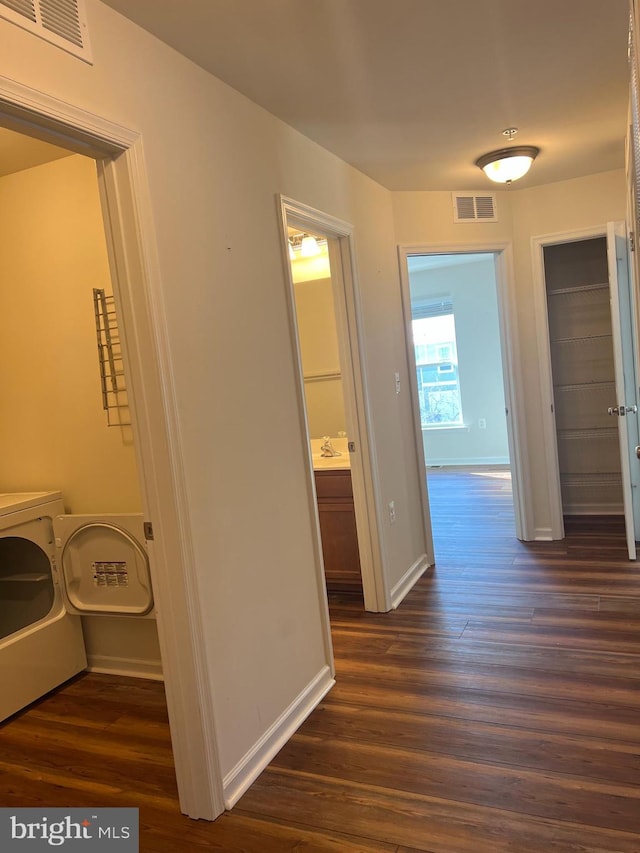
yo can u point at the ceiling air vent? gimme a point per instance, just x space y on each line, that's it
60 22
468 207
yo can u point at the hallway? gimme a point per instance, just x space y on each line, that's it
497 710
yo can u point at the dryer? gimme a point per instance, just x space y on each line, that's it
55 567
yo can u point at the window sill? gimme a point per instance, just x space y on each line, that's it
437 428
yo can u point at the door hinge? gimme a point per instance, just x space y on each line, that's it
632 241
148 531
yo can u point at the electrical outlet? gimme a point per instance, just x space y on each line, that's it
482 423
392 512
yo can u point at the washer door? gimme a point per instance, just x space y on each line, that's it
104 563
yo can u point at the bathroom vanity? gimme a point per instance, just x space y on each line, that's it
338 530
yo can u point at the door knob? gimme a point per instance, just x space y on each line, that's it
622 410
638 451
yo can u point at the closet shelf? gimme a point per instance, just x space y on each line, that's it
25 577
586 386
590 480
581 339
582 288
588 434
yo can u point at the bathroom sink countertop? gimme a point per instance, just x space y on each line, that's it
322 463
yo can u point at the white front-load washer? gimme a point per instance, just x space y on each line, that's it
54 568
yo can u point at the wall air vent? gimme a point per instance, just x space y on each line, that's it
60 22
468 207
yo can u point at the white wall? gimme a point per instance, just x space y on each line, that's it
426 217
53 432
318 336
215 162
472 289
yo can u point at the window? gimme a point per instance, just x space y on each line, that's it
434 339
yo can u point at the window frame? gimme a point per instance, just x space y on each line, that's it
447 368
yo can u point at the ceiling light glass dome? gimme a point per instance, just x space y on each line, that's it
508 164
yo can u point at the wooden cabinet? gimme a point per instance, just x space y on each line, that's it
338 531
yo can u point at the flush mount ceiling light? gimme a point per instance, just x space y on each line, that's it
508 164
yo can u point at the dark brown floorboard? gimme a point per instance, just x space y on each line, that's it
498 709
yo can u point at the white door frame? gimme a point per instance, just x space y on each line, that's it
550 437
134 264
624 356
511 371
364 475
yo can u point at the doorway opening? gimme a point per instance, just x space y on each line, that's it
58 432
324 318
588 351
456 340
128 229
325 409
583 375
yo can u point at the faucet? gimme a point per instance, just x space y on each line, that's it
327 448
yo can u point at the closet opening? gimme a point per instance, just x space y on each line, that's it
583 375
588 345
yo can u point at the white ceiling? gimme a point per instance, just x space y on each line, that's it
411 92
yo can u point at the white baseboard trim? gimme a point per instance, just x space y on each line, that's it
131 667
236 782
542 534
408 579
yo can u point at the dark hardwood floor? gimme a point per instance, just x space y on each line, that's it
498 709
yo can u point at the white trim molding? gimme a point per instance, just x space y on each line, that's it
462 461
543 534
409 580
38 114
131 667
253 763
364 473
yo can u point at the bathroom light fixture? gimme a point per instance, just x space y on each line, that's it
306 246
309 247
